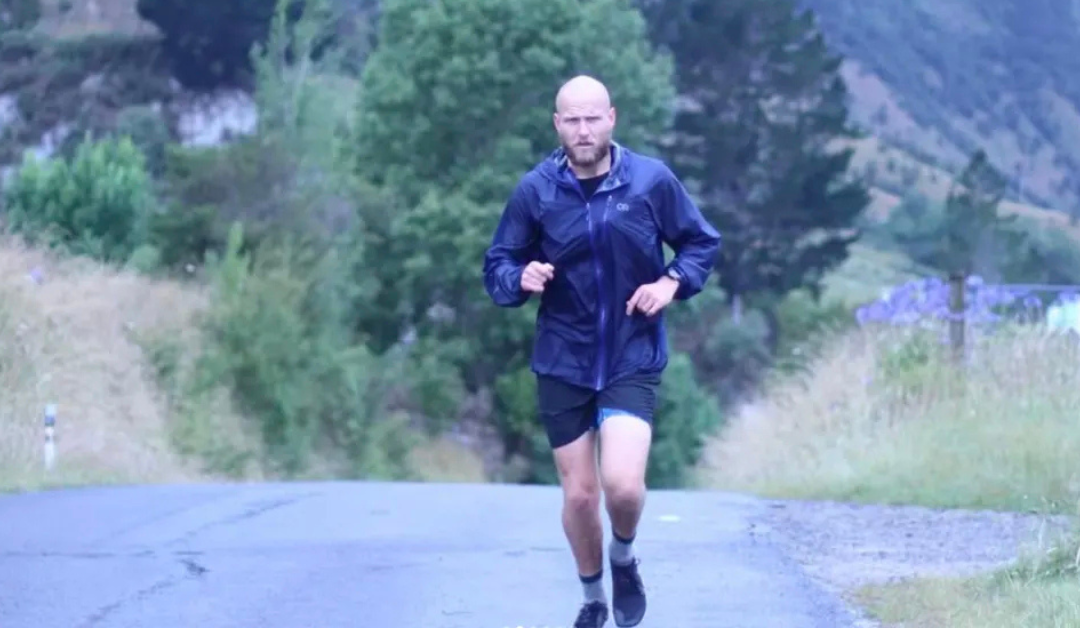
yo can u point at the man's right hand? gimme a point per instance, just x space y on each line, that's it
535 276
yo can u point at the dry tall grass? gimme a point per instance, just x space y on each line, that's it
71 339
90 339
882 416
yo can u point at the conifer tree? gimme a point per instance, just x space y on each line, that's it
762 108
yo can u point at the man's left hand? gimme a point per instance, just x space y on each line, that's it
653 297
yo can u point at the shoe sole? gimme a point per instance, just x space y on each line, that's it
622 622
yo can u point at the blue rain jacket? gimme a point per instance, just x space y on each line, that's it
602 248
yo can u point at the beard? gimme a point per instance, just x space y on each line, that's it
587 156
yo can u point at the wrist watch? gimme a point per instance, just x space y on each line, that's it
674 274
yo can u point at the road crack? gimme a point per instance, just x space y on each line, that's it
192 571
254 511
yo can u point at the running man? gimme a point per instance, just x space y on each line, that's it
584 230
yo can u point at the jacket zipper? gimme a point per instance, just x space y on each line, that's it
595 231
598 271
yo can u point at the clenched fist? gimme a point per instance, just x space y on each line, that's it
535 276
652 297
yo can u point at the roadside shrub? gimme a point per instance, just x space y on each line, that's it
734 356
96 204
804 324
686 417
280 338
519 427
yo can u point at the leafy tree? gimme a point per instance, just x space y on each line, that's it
291 175
971 219
460 93
289 286
763 102
965 233
1009 249
456 104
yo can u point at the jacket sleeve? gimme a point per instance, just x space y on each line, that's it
695 241
516 242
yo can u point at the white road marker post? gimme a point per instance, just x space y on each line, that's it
50 436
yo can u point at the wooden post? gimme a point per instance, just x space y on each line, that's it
956 316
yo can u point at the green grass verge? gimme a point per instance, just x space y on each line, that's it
1038 593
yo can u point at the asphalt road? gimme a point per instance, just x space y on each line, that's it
379 555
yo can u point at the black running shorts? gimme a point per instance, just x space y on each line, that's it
568 411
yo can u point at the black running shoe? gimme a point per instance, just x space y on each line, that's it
628 595
592 615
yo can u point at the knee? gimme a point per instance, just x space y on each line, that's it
582 496
624 492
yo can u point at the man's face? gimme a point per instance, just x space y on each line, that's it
585 132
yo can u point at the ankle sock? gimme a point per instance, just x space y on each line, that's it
621 550
593 587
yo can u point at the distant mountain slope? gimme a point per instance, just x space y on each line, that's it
940 78
933 78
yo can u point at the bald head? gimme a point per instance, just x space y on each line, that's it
582 91
584 119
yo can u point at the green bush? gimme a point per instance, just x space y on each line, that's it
95 204
436 390
729 356
686 416
735 354
184 235
280 338
519 426
805 325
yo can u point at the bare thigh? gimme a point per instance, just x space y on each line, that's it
576 464
625 441
626 413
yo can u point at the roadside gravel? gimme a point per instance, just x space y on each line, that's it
848 546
